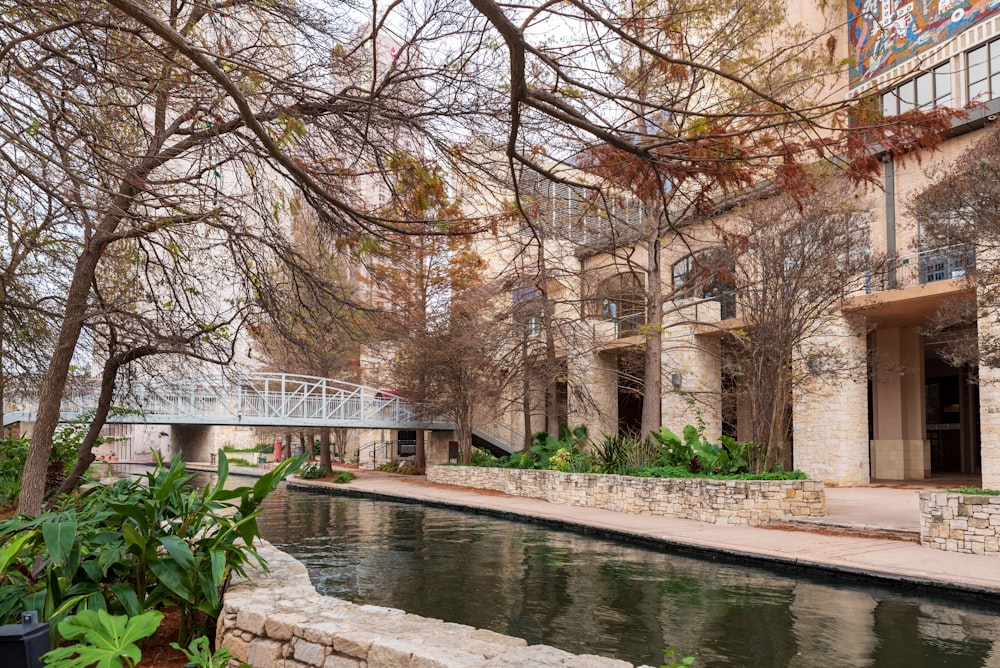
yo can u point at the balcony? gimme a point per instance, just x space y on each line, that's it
921 268
911 288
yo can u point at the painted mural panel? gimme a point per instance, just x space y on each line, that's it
886 33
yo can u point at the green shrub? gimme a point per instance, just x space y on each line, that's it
393 467
239 461
611 454
975 490
684 472
313 471
134 545
343 477
13 451
200 654
481 457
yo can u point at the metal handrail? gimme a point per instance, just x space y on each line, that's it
502 434
260 399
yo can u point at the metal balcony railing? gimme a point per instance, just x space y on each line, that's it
920 268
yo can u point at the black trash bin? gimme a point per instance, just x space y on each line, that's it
22 645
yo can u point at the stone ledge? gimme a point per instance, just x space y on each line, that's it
739 502
278 620
955 522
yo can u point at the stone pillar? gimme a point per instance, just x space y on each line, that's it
989 409
695 362
899 449
599 412
830 413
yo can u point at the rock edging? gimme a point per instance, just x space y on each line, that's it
278 620
737 502
957 522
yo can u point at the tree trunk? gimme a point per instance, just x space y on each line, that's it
652 382
324 450
526 393
548 316
340 443
54 384
464 434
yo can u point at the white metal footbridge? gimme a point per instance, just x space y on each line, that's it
262 400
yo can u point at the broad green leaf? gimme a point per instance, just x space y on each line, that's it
218 567
179 551
174 578
127 597
59 537
105 640
132 537
11 549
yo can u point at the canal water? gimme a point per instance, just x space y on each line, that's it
588 595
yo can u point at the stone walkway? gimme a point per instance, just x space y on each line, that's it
868 532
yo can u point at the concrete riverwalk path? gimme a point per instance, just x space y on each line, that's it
868 532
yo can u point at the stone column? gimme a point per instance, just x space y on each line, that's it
693 360
989 409
599 411
830 413
900 450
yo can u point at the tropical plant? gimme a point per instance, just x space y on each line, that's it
544 447
343 477
103 640
313 471
611 454
134 545
674 661
199 653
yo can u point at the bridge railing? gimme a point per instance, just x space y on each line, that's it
264 397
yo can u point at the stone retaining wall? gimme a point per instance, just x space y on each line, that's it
747 502
956 522
278 620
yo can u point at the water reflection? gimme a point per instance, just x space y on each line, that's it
588 595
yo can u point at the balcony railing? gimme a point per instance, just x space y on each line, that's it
920 268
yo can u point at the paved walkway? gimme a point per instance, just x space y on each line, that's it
867 532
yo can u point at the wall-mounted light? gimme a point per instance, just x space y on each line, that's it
676 379
814 363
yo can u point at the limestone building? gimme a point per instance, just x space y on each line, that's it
905 412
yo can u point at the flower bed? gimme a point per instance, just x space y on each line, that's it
959 522
746 502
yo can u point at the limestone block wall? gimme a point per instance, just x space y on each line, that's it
745 502
830 413
696 362
278 620
955 522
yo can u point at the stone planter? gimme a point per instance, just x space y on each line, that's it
746 502
957 522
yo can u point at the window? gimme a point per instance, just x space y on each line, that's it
930 89
984 72
703 275
621 299
528 309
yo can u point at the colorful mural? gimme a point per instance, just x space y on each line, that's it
886 33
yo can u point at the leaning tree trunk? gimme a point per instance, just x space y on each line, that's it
54 383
